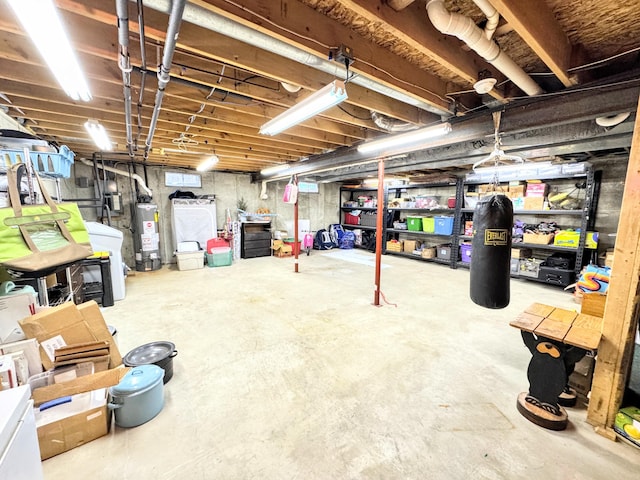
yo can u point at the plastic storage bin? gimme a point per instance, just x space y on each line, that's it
190 260
219 257
444 225
465 252
414 224
428 225
53 164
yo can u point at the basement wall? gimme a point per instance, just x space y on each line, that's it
321 209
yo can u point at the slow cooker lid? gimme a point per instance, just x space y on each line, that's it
137 379
149 353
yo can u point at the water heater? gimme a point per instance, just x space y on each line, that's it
148 238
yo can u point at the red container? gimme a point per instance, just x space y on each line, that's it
291 242
216 243
451 202
351 219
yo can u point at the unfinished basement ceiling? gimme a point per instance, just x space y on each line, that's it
222 89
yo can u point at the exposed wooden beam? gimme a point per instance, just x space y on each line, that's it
536 24
623 303
398 5
302 26
412 26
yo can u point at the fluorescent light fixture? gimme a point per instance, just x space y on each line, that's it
405 142
275 169
323 99
98 135
41 21
208 163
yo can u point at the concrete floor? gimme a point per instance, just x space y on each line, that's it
297 376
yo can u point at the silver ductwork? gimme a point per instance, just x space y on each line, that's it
466 30
171 39
122 10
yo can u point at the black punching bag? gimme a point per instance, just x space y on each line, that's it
491 252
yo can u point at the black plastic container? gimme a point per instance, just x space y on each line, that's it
154 353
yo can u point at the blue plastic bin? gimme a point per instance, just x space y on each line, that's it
444 225
52 164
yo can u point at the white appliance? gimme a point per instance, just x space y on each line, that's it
193 220
19 450
104 238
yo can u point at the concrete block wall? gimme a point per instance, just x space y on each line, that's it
321 209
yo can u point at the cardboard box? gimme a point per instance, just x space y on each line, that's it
394 246
410 245
538 238
521 252
281 249
536 190
516 190
533 203
69 324
582 375
428 252
85 418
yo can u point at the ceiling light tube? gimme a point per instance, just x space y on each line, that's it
325 98
208 163
275 169
98 135
404 142
42 22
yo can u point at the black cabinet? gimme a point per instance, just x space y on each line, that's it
255 239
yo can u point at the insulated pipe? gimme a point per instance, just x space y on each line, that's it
463 27
493 17
175 18
217 23
136 177
122 10
391 124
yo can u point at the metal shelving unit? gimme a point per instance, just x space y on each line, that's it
585 216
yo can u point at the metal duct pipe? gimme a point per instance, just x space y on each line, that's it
217 23
143 74
136 177
171 39
463 27
493 17
391 124
122 10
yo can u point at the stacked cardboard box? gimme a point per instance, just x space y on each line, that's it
63 332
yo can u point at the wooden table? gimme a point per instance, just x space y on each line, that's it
557 339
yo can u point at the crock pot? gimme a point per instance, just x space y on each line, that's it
156 353
138 397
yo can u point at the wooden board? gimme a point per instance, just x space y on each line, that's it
620 318
553 329
586 338
562 315
526 321
539 309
